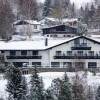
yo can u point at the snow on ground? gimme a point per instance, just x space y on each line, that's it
48 77
3 82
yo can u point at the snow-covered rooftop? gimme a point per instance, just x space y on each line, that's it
33 44
36 43
28 21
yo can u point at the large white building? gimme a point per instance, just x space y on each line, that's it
77 52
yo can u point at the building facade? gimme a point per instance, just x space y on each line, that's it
79 52
60 31
27 27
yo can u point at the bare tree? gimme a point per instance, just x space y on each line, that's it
27 9
6 19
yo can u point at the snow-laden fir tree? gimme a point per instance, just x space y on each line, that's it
98 94
49 95
55 87
15 86
66 91
36 92
47 8
78 89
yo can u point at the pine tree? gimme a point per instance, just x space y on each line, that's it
98 94
36 87
86 14
65 93
15 86
92 11
55 87
73 11
24 88
78 89
47 9
48 95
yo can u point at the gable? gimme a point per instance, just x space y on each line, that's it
77 39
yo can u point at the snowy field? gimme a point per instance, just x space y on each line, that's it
48 77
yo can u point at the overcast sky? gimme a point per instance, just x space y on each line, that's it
78 2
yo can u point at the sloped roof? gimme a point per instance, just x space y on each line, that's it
39 44
32 22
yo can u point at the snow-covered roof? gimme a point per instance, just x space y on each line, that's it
69 20
38 43
28 21
34 44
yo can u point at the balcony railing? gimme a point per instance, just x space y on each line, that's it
24 57
81 48
77 57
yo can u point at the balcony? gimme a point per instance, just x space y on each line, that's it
81 47
24 57
77 57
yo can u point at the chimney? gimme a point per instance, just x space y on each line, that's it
46 42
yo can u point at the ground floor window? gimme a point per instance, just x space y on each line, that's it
67 64
79 65
20 64
55 64
92 64
36 64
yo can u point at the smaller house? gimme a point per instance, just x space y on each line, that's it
60 31
27 27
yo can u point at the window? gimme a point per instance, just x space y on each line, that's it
35 53
35 26
76 42
2 51
67 64
58 53
80 53
55 35
91 53
92 64
55 64
36 64
20 64
69 53
12 53
24 52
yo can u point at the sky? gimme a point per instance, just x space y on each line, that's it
78 2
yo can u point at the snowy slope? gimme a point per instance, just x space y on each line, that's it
47 79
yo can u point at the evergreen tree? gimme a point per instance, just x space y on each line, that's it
15 86
48 95
24 88
78 89
55 87
65 93
98 94
73 11
86 14
36 87
92 11
47 9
